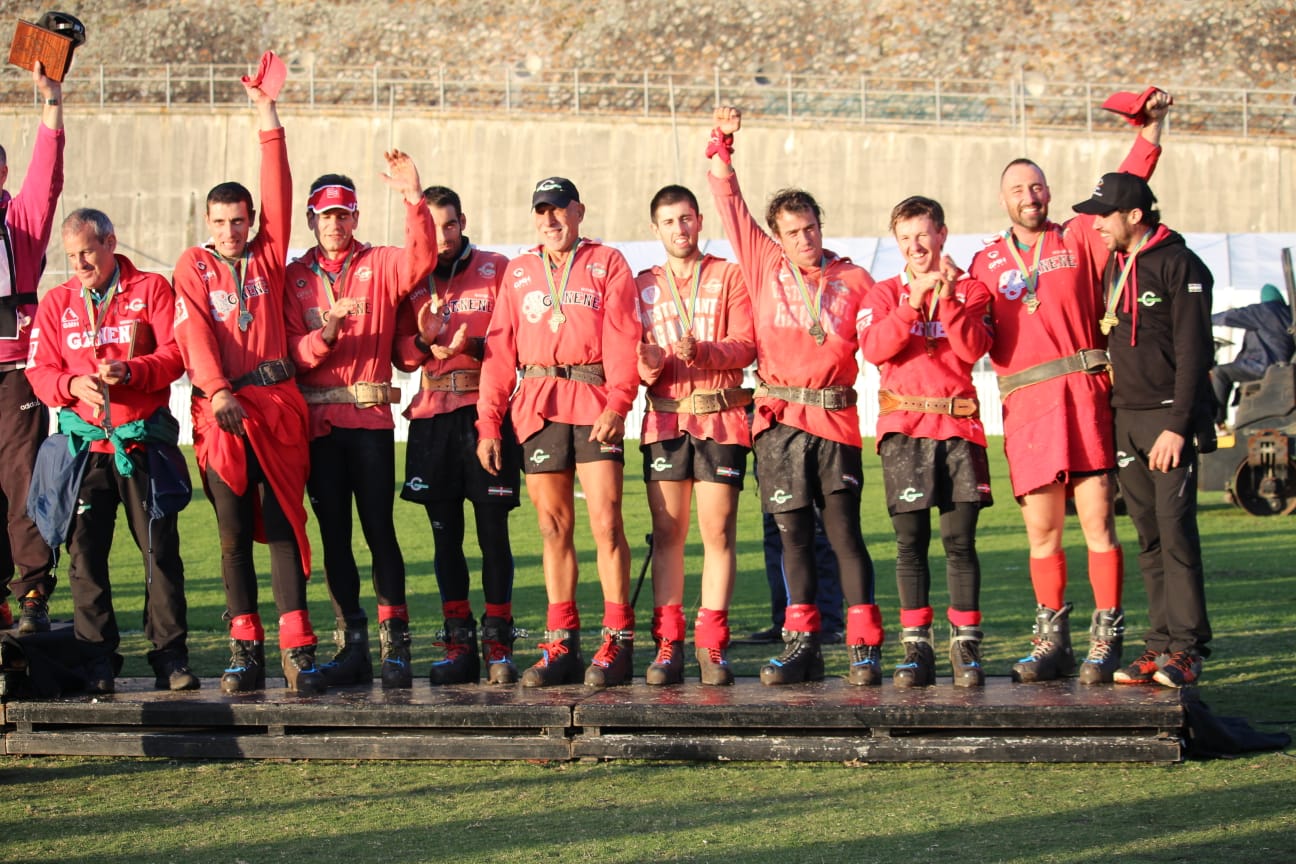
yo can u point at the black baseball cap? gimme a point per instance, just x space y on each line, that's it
1118 191
558 191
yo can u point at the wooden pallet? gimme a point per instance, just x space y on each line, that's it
827 721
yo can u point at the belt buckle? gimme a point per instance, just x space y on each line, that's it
454 380
831 399
560 372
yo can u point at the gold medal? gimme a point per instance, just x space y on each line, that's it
1032 303
1107 323
556 320
818 333
244 320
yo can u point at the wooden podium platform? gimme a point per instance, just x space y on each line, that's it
828 721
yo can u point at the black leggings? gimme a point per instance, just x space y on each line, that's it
841 513
962 569
447 518
234 522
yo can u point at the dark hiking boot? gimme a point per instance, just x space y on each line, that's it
33 613
801 660
100 678
172 672
1143 669
1051 656
560 661
246 668
865 665
918 669
668 666
460 665
613 663
1182 669
394 642
1106 641
352 664
301 675
713 667
965 656
497 636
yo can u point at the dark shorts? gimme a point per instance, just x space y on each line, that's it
689 458
796 469
560 446
921 473
441 462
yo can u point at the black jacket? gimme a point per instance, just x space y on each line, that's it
1266 341
1161 348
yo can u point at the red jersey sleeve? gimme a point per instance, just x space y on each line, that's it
621 334
46 370
275 227
967 320
885 323
737 348
756 252
499 368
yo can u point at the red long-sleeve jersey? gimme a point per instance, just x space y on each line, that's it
26 220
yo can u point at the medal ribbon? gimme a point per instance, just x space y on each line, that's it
445 311
685 315
95 309
238 274
816 307
1115 295
556 292
329 281
1031 276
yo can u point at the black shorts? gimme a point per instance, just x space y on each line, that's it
689 458
441 462
921 473
560 446
795 469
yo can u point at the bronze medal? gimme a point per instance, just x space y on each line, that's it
556 320
244 320
1032 303
1107 323
818 333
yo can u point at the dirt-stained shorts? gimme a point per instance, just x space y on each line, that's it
441 462
921 473
795 469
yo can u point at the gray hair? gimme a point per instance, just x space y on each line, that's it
96 219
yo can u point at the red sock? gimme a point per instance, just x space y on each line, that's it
563 616
961 618
668 623
295 629
247 628
500 610
711 629
386 613
864 625
802 618
916 617
1107 577
618 616
1049 578
456 609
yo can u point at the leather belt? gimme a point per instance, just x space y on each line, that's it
269 372
1089 360
13 367
954 406
834 398
458 381
589 373
702 401
362 394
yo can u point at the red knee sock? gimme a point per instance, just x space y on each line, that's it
1107 577
562 616
1049 577
802 618
247 628
295 629
456 609
864 625
915 617
961 618
386 613
668 623
500 610
618 616
711 629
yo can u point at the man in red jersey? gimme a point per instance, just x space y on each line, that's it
250 422
806 304
925 329
102 351
1048 355
26 220
441 332
698 338
341 317
566 320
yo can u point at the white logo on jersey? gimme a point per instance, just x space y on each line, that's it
181 310
364 274
70 320
1011 284
651 294
534 305
487 270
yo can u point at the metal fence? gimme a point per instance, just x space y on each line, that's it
1020 103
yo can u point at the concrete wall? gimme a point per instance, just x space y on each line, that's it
150 169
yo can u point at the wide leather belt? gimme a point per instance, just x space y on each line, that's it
458 381
702 401
954 406
13 367
269 372
589 373
362 394
835 398
1089 360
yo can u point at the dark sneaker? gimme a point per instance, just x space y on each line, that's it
99 676
865 665
34 613
172 673
668 666
613 663
246 669
1181 670
801 660
560 661
713 667
1142 670
301 675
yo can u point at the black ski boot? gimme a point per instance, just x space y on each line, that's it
352 664
461 665
801 660
1106 641
1051 656
965 656
246 668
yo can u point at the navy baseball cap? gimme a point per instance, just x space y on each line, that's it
1118 191
558 191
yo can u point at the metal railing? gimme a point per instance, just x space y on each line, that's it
1013 103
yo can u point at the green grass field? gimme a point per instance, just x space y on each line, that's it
105 811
